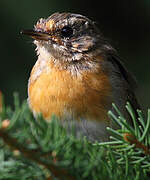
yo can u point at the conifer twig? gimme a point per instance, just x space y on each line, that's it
132 140
31 154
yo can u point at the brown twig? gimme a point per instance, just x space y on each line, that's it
132 140
33 155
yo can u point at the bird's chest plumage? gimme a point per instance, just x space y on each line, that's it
57 91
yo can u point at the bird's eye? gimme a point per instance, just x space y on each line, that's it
66 31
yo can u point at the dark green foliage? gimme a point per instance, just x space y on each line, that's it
45 145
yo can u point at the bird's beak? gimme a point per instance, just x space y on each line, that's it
37 35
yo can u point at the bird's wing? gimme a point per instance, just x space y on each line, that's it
130 82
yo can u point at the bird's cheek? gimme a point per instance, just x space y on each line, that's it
83 44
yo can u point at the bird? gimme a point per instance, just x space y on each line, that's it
78 75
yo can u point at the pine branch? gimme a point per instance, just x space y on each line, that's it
37 142
133 141
33 155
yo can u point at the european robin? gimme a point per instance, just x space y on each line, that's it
78 75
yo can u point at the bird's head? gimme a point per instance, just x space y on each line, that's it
67 37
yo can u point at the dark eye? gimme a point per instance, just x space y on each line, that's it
66 31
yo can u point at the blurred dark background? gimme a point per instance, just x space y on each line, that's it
125 23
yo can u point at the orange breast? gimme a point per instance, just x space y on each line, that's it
56 91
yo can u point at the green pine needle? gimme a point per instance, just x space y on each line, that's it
51 146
